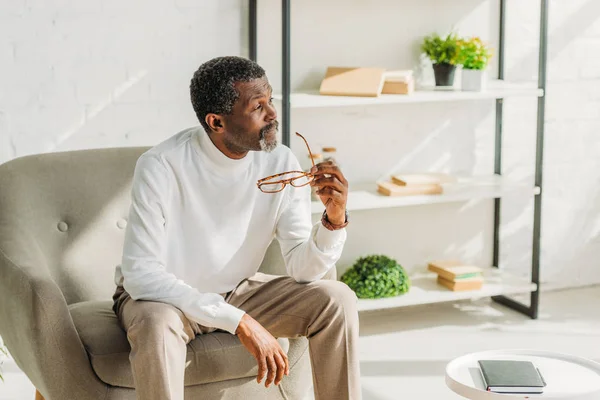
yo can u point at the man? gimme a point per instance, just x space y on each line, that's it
199 228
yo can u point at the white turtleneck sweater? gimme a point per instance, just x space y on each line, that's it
198 226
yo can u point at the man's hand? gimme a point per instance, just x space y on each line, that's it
332 190
267 351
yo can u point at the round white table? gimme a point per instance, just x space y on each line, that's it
567 377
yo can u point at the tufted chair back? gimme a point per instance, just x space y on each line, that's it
70 209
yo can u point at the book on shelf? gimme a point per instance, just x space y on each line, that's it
457 276
458 285
511 376
365 81
348 81
398 82
399 75
454 270
391 189
424 178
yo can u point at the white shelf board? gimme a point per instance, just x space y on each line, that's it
496 89
425 290
366 197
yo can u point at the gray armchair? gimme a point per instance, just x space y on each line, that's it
62 220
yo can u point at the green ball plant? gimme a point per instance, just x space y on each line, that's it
375 277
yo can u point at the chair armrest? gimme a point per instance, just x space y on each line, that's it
37 328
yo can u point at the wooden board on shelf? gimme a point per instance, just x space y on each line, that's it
392 189
426 290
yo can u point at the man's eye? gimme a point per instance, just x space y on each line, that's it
258 106
271 100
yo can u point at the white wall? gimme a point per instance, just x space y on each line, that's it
79 74
98 74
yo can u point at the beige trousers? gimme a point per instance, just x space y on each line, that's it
324 311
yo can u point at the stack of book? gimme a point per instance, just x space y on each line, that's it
457 276
414 184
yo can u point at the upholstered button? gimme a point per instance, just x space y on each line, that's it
121 223
62 226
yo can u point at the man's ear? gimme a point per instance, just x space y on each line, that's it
215 122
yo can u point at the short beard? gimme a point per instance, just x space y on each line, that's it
268 146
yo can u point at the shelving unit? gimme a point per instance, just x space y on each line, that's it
498 284
425 290
365 196
496 90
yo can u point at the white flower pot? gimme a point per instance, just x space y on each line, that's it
473 80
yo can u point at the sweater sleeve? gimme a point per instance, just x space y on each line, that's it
309 250
145 275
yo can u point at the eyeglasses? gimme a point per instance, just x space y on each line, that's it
271 184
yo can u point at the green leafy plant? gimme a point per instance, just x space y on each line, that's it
441 50
473 53
376 276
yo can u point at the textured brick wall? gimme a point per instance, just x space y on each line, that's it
78 74
572 207
81 74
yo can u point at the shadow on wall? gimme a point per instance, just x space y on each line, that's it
559 37
570 233
322 30
579 242
84 76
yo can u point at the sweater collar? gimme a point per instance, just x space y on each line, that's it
219 160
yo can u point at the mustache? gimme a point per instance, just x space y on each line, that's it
271 126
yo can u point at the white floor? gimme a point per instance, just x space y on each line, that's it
404 351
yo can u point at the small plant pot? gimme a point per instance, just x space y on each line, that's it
444 74
473 80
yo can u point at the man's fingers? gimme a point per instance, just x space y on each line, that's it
272 371
262 369
280 368
330 168
287 362
331 181
330 192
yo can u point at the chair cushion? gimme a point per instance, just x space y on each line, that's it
212 357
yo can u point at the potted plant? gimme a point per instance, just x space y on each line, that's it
442 52
474 56
376 277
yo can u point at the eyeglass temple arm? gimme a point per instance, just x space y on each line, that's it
312 159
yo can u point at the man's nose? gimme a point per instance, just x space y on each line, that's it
271 112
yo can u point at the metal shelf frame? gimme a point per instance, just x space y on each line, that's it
532 309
